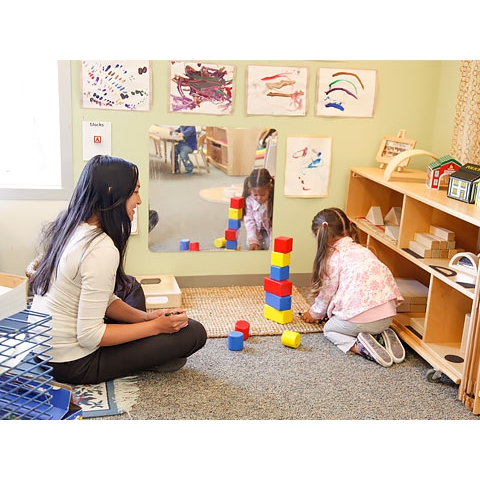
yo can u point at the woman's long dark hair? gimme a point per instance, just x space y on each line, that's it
260 178
103 188
328 226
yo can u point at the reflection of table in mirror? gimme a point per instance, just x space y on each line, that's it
158 134
221 194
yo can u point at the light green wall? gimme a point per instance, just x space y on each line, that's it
411 95
418 96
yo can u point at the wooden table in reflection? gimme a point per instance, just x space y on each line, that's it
164 136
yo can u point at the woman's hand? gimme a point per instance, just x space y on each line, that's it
254 246
148 324
168 321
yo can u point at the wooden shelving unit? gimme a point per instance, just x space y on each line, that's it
448 301
232 150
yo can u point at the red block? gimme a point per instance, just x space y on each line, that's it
237 202
283 244
282 288
231 234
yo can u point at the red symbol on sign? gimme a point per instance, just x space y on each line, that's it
97 139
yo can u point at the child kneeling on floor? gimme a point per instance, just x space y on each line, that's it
354 290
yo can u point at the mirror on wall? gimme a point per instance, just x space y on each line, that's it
191 188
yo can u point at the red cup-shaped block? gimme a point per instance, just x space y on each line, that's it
244 327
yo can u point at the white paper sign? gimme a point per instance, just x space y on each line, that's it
97 139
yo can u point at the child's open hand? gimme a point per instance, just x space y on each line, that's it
308 318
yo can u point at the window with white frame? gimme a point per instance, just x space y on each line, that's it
36 147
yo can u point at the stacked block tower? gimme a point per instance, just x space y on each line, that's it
278 287
235 214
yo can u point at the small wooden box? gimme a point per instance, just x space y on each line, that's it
161 291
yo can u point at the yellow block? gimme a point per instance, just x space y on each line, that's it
220 242
280 259
235 213
291 339
279 316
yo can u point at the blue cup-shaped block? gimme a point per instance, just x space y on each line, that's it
184 244
235 340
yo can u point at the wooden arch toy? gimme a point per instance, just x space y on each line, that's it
398 159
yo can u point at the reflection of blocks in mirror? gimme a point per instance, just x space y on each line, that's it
161 291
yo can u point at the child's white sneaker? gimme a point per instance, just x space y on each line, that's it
370 349
392 344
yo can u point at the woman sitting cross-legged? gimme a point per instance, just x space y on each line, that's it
80 281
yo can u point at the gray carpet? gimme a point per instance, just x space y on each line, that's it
316 381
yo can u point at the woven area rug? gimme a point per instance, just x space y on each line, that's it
108 398
219 308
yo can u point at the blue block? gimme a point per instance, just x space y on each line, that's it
234 224
280 273
277 302
231 245
235 340
184 244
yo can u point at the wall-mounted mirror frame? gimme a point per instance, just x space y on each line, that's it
189 203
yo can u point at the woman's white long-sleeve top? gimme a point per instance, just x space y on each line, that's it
79 294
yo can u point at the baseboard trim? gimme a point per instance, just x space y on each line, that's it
298 279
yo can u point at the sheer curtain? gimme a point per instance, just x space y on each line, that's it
466 130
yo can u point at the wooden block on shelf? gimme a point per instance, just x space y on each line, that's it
443 233
392 231
404 307
420 249
375 216
442 244
393 216
427 240
407 306
413 290
452 253
420 308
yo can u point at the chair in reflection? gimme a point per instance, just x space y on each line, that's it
199 156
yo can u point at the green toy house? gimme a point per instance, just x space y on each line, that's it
463 183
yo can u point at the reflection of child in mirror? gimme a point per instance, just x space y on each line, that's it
258 189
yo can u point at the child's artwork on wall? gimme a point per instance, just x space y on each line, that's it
307 168
345 93
276 90
116 84
201 88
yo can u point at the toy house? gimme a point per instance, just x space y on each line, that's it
463 183
438 169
